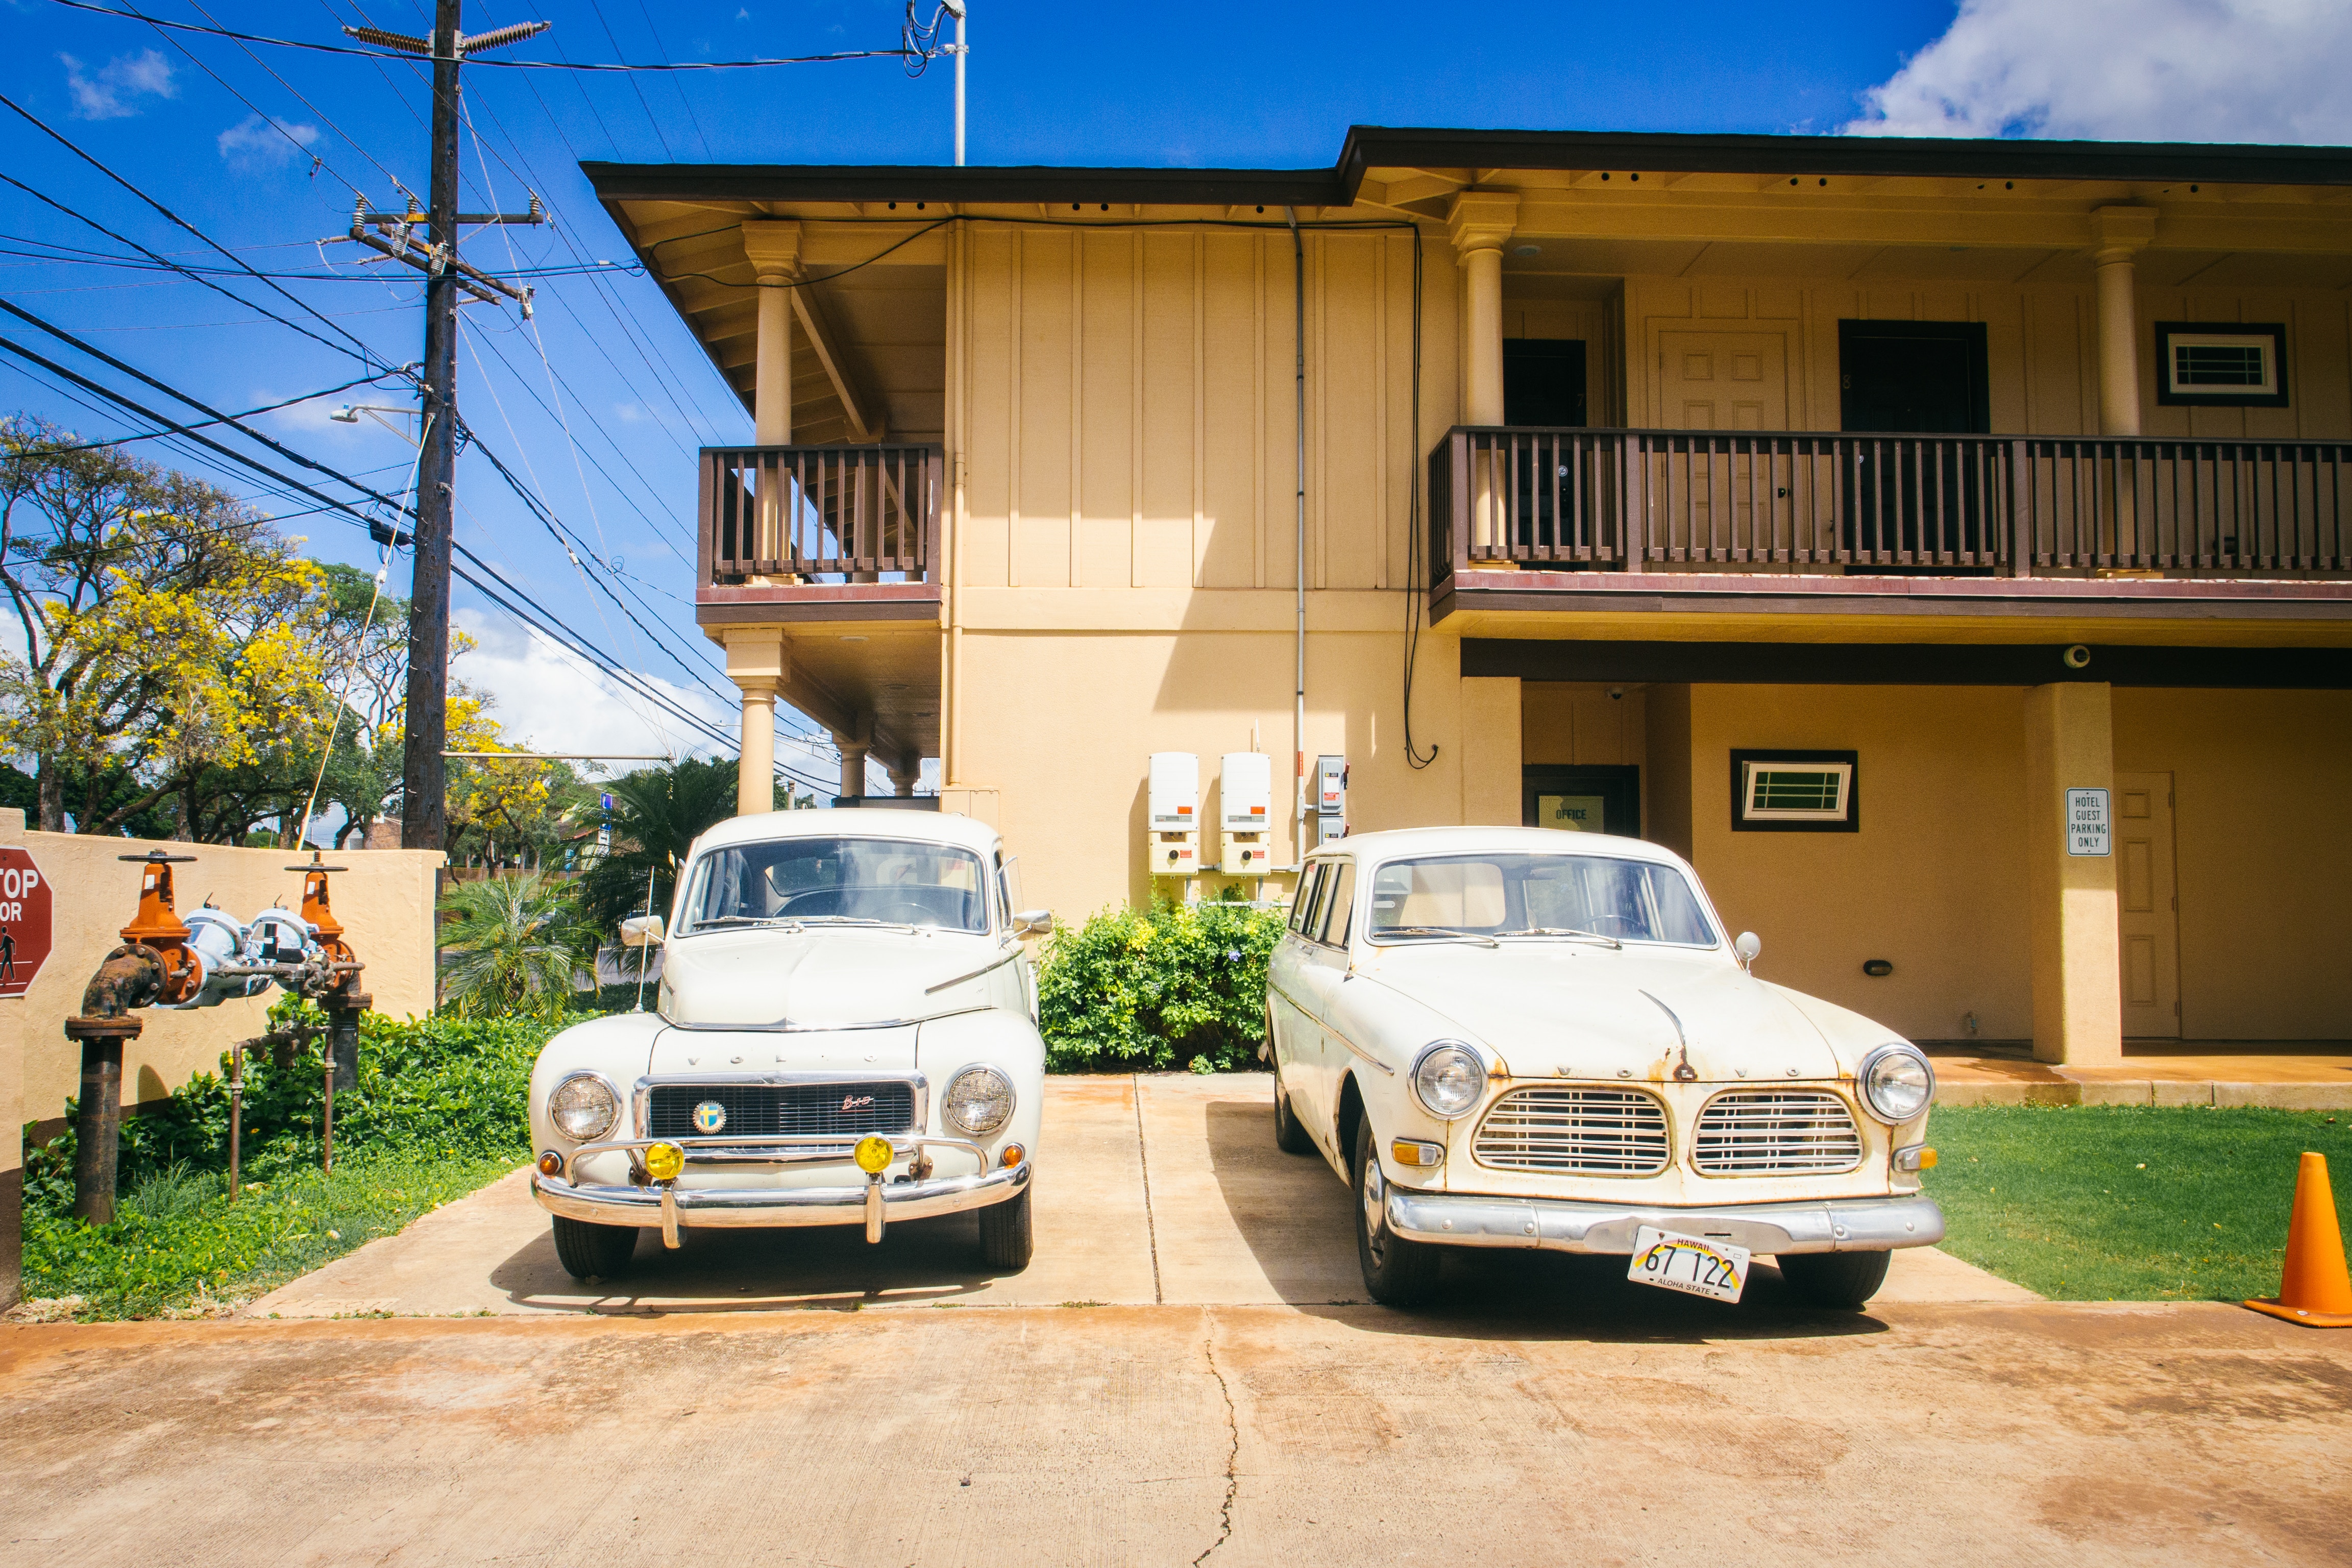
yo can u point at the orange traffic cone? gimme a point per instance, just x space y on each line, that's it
2314 1288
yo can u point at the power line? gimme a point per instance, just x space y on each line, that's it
900 53
265 409
366 355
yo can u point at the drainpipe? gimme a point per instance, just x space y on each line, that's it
1299 713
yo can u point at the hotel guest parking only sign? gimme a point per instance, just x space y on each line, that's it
2087 828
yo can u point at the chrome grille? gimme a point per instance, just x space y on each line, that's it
848 1111
1775 1132
1593 1132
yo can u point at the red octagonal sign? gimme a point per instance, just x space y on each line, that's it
24 921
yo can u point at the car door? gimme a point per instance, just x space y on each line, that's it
1322 969
1292 1041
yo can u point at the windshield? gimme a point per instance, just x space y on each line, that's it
1501 895
890 881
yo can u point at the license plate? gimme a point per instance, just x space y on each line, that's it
1692 1264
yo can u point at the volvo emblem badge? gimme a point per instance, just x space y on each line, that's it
710 1116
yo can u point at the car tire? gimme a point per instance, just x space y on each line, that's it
1397 1272
1007 1237
1290 1134
1838 1280
593 1251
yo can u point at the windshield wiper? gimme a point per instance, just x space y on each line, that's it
746 920
1446 932
851 921
1563 930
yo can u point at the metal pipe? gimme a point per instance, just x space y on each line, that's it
1298 712
237 1117
959 59
97 1123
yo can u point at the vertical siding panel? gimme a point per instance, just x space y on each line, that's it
1345 375
989 456
1106 412
1167 411
1040 536
1231 438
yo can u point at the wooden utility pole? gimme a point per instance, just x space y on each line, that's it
424 774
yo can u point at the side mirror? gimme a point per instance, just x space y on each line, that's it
642 931
1033 922
1748 945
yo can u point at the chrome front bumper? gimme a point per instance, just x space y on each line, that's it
1563 1225
670 1207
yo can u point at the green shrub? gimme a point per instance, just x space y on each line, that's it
427 1087
1181 985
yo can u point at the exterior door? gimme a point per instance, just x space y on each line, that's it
1720 380
1723 381
2148 906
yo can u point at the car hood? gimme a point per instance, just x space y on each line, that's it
1579 1010
821 978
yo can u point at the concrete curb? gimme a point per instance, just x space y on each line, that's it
2150 1091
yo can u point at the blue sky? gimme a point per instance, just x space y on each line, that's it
261 147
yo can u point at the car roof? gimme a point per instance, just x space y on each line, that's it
854 822
1369 846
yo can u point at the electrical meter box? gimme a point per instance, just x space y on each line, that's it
1172 815
1331 786
1244 809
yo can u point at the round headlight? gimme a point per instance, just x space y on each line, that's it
1897 1082
583 1107
1448 1079
979 1102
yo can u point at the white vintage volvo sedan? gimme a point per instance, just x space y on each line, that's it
847 1034
1523 1037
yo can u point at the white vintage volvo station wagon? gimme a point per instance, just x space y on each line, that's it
847 1034
1523 1037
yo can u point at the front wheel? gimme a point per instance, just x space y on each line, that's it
1007 1237
593 1251
1397 1272
1838 1280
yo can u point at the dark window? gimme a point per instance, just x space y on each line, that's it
1543 381
2221 365
1796 791
1918 377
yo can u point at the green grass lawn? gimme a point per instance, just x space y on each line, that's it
2128 1203
179 1247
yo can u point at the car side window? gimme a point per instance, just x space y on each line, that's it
1339 901
1302 913
1339 904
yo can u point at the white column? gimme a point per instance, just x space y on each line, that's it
2120 233
759 661
1480 223
774 249
856 747
903 780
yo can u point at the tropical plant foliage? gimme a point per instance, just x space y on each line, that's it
1179 985
514 945
658 814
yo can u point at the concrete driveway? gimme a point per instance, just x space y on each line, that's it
1237 1405
1160 1189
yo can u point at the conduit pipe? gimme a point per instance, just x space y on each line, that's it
1299 713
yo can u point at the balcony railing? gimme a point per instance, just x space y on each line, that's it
1571 500
788 516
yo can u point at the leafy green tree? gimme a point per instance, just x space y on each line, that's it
515 944
166 628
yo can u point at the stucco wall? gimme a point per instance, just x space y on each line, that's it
385 902
1071 719
2263 851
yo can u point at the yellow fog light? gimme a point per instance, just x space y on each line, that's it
664 1162
874 1154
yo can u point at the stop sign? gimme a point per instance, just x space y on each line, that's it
24 921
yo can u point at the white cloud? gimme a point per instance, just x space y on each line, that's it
109 93
2159 70
253 141
547 699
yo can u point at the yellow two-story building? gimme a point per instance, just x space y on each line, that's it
1945 544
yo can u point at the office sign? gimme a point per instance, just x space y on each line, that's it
2089 829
